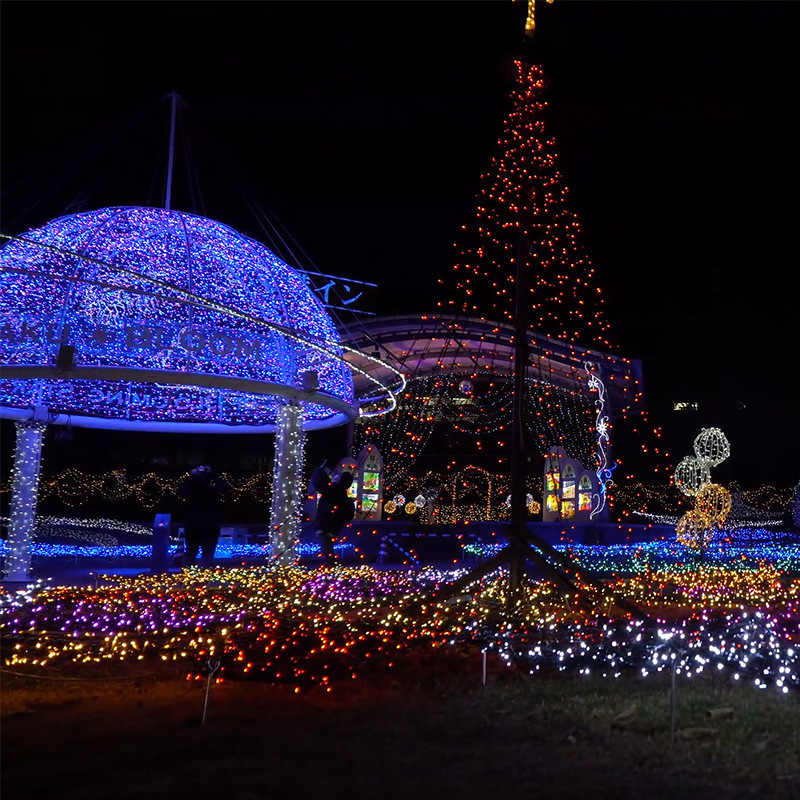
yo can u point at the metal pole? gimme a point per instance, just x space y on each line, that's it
518 505
168 200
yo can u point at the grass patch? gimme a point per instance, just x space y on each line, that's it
440 730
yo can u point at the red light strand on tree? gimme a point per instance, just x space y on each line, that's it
524 201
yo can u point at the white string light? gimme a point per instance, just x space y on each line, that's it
603 440
285 510
24 497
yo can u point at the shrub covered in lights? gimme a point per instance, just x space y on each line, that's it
163 321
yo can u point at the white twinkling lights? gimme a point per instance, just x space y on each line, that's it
691 475
24 495
287 483
711 446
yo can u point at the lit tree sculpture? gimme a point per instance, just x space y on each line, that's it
523 213
523 218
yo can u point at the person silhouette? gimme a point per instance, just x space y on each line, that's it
335 508
202 490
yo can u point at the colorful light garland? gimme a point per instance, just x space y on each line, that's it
317 627
659 503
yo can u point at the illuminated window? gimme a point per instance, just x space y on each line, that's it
371 481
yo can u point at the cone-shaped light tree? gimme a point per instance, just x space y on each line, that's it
523 212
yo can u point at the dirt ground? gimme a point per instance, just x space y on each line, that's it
439 732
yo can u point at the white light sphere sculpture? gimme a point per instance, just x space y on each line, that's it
712 446
691 475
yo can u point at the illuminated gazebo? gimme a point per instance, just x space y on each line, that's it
149 319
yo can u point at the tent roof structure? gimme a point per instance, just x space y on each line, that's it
419 346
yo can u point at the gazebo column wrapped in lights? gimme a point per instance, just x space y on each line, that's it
24 494
147 319
287 475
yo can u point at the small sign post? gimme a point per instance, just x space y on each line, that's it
159 560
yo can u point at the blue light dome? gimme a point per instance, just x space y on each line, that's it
146 318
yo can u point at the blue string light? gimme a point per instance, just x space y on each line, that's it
147 291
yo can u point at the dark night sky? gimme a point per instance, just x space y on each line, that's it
364 127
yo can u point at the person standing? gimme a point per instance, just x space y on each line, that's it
335 508
202 490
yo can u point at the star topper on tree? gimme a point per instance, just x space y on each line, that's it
530 20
